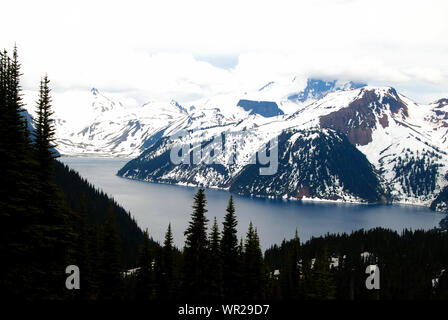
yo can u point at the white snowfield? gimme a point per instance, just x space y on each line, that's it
111 129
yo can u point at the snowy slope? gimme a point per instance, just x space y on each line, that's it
110 129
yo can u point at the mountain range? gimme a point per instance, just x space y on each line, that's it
338 141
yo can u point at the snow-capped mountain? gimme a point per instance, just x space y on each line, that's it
314 163
392 131
317 89
109 128
401 140
336 140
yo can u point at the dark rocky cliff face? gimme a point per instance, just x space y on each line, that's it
441 103
395 103
317 89
264 108
439 117
358 119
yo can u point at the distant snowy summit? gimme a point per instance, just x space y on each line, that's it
338 141
317 89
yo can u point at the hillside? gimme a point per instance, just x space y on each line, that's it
74 187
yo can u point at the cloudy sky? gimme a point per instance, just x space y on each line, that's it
146 50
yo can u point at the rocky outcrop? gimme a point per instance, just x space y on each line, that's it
264 108
359 118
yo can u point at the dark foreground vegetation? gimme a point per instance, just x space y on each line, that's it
51 218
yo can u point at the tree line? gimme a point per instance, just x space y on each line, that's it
212 266
215 266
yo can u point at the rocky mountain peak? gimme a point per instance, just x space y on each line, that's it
371 108
441 103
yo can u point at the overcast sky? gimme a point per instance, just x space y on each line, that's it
147 50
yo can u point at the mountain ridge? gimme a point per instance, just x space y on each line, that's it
402 140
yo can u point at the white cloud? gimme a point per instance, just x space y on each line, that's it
153 49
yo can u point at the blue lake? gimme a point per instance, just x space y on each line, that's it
155 205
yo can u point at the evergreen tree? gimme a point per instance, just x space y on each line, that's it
239 266
214 264
231 266
296 270
44 135
195 251
51 223
321 281
110 272
254 277
166 269
241 249
241 252
145 274
290 272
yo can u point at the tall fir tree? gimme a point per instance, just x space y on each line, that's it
231 266
241 251
290 272
55 242
254 276
321 282
44 134
214 264
165 274
195 251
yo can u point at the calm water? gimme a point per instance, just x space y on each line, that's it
155 205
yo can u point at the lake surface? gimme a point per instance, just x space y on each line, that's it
155 205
